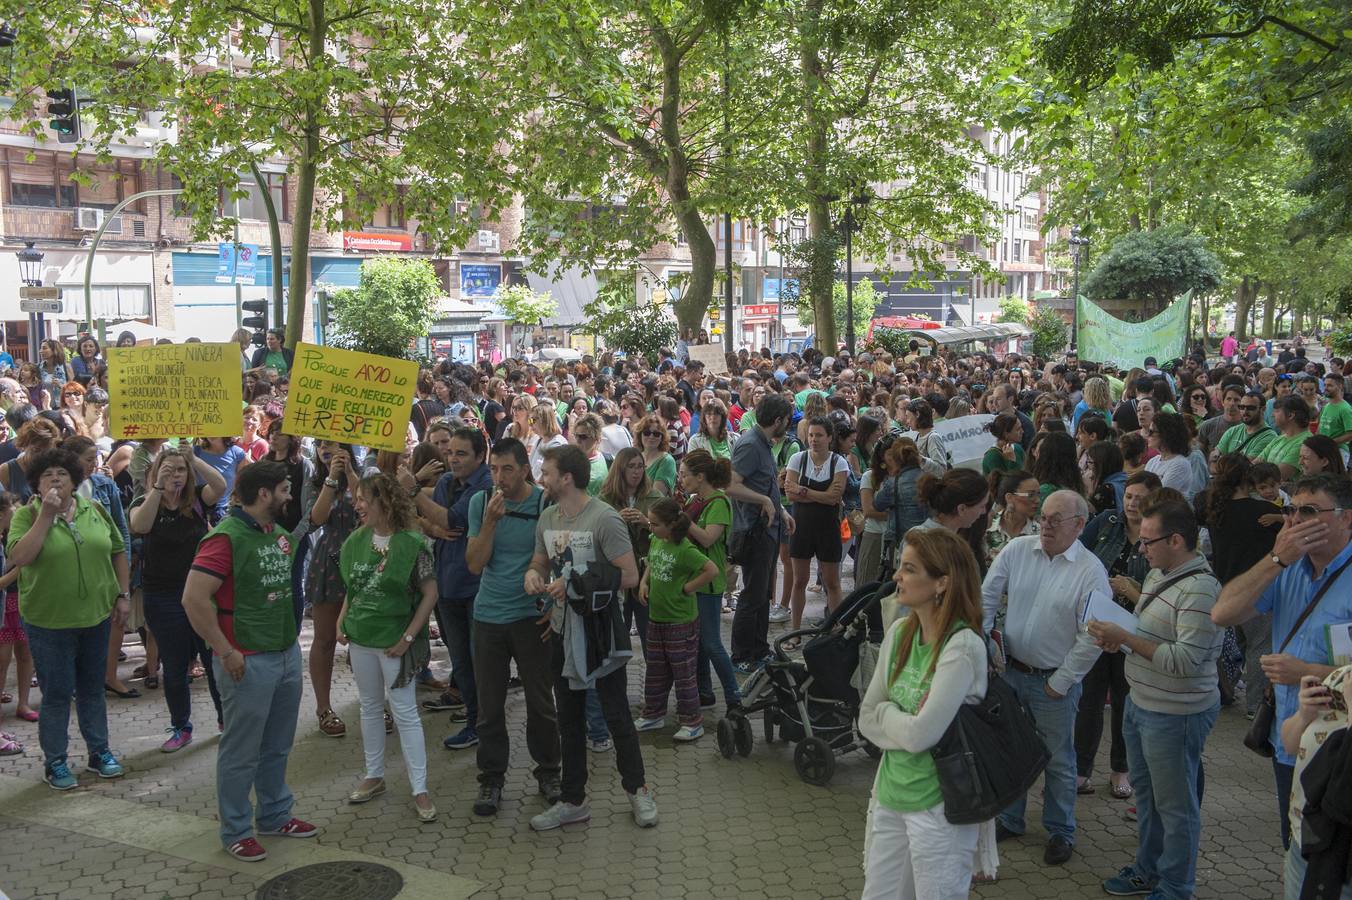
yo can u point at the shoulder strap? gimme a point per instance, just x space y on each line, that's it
1264 430
1168 583
1319 595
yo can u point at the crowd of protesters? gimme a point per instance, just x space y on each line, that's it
1210 498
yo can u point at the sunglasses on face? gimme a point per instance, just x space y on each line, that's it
1309 512
652 434
1251 407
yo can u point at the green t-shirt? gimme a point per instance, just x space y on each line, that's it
599 468
502 599
1115 387
71 584
1285 449
670 566
1236 435
1335 420
995 461
746 422
800 398
664 470
718 511
276 360
908 782
384 578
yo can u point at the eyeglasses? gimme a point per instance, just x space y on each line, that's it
652 434
1309 512
1055 522
1251 407
1143 542
583 436
1027 495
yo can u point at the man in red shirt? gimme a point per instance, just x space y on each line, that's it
239 599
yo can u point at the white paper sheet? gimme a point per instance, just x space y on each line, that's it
1101 607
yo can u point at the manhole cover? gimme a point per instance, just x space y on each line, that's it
334 881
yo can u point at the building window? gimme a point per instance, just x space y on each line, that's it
252 206
743 234
47 181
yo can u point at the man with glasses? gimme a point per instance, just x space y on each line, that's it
1174 699
1314 547
1252 435
1048 578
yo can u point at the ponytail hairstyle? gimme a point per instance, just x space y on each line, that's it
669 513
718 472
957 487
1233 472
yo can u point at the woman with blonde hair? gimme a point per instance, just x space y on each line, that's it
1097 399
931 663
544 423
629 491
519 425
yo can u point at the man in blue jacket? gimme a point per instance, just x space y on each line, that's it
456 583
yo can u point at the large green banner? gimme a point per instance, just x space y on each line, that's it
1105 338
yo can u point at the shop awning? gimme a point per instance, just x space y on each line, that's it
571 288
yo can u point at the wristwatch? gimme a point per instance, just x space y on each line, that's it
123 596
408 639
331 482
1278 560
413 491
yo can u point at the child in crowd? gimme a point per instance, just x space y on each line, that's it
1267 485
676 571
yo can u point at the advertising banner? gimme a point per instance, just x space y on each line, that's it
350 397
175 391
1105 338
236 263
479 280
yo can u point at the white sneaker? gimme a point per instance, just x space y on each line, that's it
779 614
644 803
605 745
561 814
654 724
688 733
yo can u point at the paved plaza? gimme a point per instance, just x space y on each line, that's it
744 828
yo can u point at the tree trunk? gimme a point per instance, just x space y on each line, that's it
307 172
818 282
1242 300
1205 328
699 290
1297 319
1269 308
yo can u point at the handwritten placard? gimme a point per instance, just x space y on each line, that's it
175 390
354 398
713 356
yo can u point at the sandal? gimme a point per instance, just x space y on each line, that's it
152 682
6 697
330 725
389 722
9 746
128 694
790 644
1085 787
1123 791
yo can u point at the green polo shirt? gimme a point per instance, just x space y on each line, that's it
1335 419
1236 435
71 584
1286 450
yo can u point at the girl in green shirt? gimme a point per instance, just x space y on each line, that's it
703 479
932 662
391 590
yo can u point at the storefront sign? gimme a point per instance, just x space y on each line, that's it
760 311
479 280
175 391
354 398
771 289
364 240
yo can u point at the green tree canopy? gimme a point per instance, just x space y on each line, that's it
1050 332
1154 267
866 299
394 303
525 305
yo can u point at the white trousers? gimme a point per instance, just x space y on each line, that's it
374 673
918 856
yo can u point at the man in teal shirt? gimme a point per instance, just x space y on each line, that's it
1335 420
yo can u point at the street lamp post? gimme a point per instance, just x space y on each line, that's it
30 273
1076 242
851 224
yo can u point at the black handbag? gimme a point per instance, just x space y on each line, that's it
1256 738
990 755
743 540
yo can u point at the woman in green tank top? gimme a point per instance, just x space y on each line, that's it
391 588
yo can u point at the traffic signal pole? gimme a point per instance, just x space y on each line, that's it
93 248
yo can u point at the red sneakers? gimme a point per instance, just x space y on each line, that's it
247 850
294 828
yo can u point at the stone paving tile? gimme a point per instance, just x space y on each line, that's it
745 828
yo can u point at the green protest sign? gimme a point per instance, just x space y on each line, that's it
1105 338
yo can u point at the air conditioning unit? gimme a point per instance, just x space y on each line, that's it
488 240
88 218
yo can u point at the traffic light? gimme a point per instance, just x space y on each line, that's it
258 322
64 109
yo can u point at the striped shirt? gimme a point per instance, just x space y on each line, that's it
1181 679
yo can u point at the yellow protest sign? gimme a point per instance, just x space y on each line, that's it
175 390
350 397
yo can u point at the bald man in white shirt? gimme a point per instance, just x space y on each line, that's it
1048 578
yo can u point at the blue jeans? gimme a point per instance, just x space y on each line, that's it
457 617
1284 776
711 650
179 645
597 729
70 665
1164 755
1056 720
260 727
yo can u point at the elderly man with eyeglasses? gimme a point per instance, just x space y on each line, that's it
1310 559
1048 578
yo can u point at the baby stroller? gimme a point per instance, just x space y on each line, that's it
813 702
